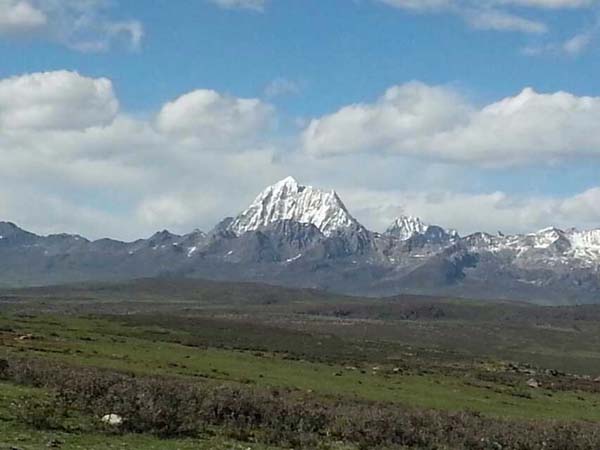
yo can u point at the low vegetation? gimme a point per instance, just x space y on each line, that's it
174 408
300 370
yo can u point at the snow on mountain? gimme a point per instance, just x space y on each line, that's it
405 227
550 264
518 243
589 239
549 244
585 244
288 200
545 238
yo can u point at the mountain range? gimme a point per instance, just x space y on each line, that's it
300 236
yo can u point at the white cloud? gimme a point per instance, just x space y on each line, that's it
130 33
64 144
491 19
178 210
52 213
457 5
80 25
19 16
109 174
403 115
255 5
551 4
496 15
52 100
495 211
421 5
216 119
578 43
435 122
572 47
281 87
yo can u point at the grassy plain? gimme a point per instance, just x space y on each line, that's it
421 353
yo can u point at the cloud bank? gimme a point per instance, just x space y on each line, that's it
436 122
73 161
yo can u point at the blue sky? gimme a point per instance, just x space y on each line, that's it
472 114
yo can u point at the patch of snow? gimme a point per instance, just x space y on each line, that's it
295 258
191 251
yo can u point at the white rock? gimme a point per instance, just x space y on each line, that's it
112 419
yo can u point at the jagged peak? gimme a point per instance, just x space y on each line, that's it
549 230
409 224
163 235
405 227
290 182
289 200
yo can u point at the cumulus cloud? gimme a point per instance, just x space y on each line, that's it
404 114
19 16
62 135
255 5
85 26
437 123
215 119
56 100
106 173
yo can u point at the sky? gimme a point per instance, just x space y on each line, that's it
119 118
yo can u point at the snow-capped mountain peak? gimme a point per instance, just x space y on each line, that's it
289 200
405 227
544 238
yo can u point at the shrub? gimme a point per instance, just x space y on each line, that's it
168 407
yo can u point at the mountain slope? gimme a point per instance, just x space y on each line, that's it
301 236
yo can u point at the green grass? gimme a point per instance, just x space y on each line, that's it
150 350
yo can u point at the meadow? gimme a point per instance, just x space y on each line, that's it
369 372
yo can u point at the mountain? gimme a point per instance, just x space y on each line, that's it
301 236
405 227
289 201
